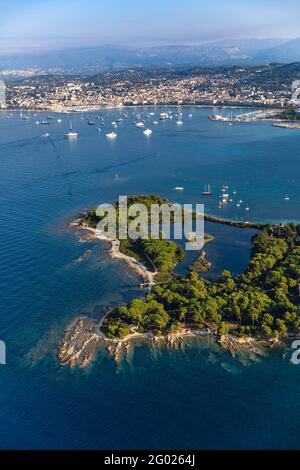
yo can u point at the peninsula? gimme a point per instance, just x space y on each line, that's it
262 303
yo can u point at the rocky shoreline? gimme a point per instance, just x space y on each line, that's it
83 339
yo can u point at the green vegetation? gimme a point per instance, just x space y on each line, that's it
160 255
288 114
157 255
92 219
264 301
200 265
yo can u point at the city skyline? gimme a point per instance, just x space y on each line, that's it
34 26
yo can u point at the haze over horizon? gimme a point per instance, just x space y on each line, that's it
38 26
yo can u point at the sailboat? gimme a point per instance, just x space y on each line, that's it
207 191
286 197
71 134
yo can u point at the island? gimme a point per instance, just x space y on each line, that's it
262 304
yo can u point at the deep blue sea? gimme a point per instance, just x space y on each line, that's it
196 398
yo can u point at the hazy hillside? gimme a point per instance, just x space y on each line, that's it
101 58
287 52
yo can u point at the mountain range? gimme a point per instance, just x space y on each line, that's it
110 57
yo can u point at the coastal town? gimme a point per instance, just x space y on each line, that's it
262 86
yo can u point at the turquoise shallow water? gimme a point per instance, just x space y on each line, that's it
199 397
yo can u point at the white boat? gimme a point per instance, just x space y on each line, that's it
155 123
163 116
58 120
179 122
140 124
71 134
178 188
45 135
207 191
111 135
247 208
147 132
286 197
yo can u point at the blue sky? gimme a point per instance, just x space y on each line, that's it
40 24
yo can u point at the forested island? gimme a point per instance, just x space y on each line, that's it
263 302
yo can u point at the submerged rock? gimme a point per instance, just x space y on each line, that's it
80 342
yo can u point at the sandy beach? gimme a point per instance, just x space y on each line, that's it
115 253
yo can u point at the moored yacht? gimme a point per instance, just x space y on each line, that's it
111 135
71 134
